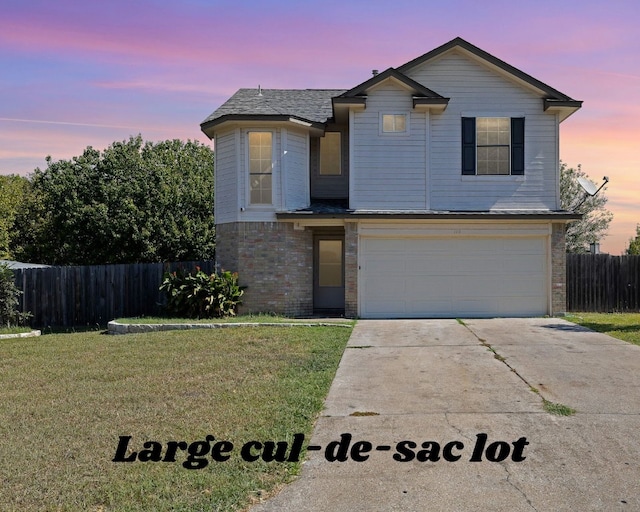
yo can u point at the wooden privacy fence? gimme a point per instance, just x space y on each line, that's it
94 295
603 283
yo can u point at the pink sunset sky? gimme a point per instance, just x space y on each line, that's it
87 73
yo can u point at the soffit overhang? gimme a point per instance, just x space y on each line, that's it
231 121
560 216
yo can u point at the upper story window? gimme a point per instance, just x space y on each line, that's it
492 146
493 143
260 167
330 154
394 123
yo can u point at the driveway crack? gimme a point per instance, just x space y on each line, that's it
550 407
500 358
457 429
506 469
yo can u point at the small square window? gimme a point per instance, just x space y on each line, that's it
394 123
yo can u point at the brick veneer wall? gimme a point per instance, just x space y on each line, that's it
558 270
351 269
278 262
275 260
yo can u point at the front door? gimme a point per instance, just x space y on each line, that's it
328 273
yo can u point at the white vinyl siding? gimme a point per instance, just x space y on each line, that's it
226 178
289 174
476 91
295 165
388 172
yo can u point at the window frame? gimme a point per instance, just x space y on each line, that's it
470 145
250 174
332 264
395 133
495 163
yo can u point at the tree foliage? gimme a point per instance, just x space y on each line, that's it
10 315
133 202
596 218
13 192
634 243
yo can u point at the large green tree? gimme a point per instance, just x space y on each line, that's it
13 192
134 201
596 218
634 243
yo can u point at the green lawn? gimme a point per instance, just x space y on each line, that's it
624 326
66 398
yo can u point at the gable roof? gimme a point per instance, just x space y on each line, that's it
418 88
308 105
423 97
458 42
317 106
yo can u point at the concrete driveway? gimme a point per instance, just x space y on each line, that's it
464 428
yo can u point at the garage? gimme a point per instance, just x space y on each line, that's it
459 276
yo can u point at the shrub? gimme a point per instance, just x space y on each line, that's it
9 293
201 295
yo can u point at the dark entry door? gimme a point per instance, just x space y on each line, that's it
328 273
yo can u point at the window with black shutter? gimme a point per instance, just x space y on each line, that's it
492 146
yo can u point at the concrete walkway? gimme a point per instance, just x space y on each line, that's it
463 394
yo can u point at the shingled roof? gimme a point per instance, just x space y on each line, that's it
312 105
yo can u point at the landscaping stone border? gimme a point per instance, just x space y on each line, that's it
119 328
31 334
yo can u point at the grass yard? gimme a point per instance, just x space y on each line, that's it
66 398
624 326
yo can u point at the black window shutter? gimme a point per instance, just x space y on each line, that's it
517 145
468 145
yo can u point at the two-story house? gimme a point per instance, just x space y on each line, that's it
429 190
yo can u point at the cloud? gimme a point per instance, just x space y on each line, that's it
63 123
159 86
25 145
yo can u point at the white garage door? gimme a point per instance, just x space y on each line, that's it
453 277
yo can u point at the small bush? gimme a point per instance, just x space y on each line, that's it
201 295
9 293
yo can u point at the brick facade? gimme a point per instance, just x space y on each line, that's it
558 270
274 260
351 269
